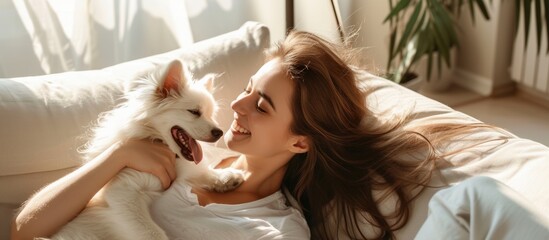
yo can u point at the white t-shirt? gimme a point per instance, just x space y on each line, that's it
178 212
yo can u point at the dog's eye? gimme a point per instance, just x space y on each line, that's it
195 112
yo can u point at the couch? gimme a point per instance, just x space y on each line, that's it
44 118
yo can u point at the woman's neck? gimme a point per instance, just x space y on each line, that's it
261 179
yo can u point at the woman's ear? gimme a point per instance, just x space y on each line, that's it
299 144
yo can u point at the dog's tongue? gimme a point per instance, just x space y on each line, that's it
190 149
196 150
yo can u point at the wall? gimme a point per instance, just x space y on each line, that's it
365 18
209 18
316 16
485 50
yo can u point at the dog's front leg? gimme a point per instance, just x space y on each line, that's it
223 180
212 179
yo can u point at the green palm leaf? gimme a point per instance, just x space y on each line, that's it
404 39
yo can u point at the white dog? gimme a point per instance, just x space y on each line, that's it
167 107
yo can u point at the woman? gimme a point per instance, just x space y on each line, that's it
255 210
300 125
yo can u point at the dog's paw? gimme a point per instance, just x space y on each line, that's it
226 179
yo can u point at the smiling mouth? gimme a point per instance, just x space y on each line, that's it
190 149
239 129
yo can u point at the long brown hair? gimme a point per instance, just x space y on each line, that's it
354 162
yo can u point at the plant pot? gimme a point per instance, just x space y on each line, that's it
438 81
415 83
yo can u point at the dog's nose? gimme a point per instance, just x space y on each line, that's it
217 133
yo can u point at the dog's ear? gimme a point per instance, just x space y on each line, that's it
208 81
172 79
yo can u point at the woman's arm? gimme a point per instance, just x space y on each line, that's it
58 203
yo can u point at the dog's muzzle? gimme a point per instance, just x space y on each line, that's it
190 149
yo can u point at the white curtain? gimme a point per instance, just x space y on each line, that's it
530 68
50 36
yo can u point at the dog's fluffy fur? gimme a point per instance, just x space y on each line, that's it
166 106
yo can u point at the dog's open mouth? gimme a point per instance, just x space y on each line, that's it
190 149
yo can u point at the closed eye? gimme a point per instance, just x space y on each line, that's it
259 109
195 112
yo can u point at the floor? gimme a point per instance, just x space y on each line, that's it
515 113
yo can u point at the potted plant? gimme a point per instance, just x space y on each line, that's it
425 31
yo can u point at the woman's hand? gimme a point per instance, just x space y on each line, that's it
147 156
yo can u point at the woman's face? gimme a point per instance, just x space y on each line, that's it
262 118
